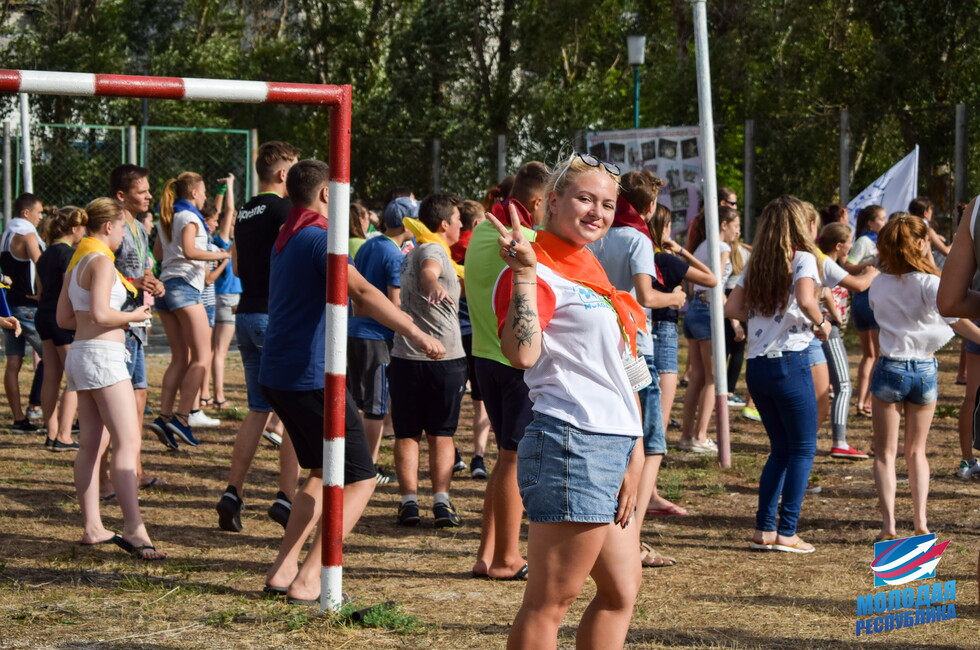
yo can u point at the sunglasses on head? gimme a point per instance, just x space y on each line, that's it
591 161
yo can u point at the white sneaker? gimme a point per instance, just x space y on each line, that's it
706 447
974 471
965 468
272 437
199 419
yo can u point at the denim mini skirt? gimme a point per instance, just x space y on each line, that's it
567 474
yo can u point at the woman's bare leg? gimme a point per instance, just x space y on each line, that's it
196 334
918 419
884 423
561 557
179 360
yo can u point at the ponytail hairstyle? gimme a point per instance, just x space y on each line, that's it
900 246
181 187
62 222
727 215
101 211
658 223
832 234
783 229
867 214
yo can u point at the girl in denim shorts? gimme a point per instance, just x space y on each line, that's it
906 376
578 464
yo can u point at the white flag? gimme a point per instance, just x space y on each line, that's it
893 190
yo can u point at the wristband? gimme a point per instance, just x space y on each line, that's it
820 324
221 190
524 282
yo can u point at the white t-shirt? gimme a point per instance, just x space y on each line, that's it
789 331
579 377
701 254
175 264
864 250
905 308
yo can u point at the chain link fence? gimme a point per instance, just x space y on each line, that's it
71 163
167 151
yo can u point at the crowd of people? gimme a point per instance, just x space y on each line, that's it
555 304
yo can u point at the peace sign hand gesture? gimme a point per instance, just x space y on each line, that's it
515 249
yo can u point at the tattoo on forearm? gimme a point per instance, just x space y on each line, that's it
525 321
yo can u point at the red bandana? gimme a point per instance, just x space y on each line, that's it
579 265
298 219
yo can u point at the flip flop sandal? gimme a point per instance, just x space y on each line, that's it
220 404
111 540
137 551
152 483
274 592
654 560
206 402
520 575
793 548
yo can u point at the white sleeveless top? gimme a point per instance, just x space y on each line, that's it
81 299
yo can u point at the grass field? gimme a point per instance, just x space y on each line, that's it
54 594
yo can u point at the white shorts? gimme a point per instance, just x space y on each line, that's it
93 364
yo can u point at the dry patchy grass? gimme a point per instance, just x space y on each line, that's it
207 594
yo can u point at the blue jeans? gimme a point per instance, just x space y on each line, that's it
250 330
782 388
654 436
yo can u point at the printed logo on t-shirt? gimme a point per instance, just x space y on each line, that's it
254 212
590 299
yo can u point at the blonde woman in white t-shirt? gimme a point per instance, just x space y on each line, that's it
777 296
906 375
181 246
578 464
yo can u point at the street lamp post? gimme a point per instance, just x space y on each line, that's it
636 45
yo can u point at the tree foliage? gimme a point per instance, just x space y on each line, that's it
539 72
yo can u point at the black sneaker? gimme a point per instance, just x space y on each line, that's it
459 465
48 441
446 516
477 468
182 431
280 510
57 445
24 426
230 512
385 478
159 427
75 428
408 514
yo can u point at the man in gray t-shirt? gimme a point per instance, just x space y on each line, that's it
426 395
436 317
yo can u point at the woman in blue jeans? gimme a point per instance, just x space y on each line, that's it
777 297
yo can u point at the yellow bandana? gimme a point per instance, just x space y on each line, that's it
425 236
92 245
